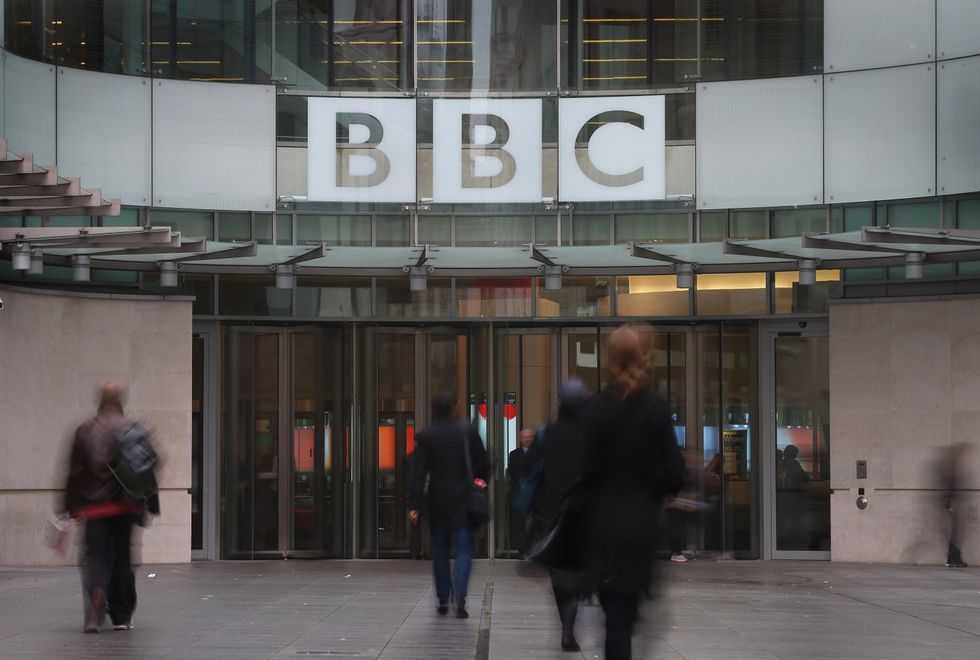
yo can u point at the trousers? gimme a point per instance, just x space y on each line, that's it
620 610
451 589
107 567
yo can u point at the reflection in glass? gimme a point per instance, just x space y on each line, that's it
109 35
578 297
234 226
391 230
497 45
591 229
197 443
746 225
332 296
802 405
395 440
343 45
395 299
334 229
586 355
211 40
790 297
729 294
796 222
249 295
713 226
191 224
494 297
498 230
651 295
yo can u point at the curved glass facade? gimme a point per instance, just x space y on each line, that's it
431 45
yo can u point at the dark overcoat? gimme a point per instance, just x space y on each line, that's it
440 455
626 441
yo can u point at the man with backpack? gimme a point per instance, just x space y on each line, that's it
111 485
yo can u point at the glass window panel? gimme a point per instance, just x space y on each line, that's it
435 229
761 39
498 45
609 45
212 40
796 222
546 230
24 29
126 218
856 217
292 124
729 294
114 277
968 214
500 230
791 298
392 230
680 117
928 271
748 225
109 35
653 227
591 229
494 297
284 229
714 226
864 274
334 229
396 300
578 297
234 227
919 214
332 297
244 295
651 295
191 224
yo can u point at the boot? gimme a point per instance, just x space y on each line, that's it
567 611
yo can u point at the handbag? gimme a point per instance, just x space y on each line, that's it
560 543
477 503
58 533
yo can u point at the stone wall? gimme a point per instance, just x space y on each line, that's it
56 349
905 385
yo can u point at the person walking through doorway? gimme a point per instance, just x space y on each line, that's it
632 462
440 455
515 469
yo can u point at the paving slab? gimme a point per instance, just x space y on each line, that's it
702 610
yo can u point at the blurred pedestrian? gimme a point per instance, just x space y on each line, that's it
951 470
515 468
559 452
632 462
440 454
101 491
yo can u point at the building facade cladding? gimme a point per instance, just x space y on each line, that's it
780 118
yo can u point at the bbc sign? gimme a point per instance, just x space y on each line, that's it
486 150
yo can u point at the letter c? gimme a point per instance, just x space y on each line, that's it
585 163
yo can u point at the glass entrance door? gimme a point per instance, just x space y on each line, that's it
286 448
402 370
798 441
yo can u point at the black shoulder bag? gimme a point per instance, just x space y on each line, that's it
477 505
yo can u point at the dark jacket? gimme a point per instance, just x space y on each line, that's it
561 449
626 442
94 445
516 462
439 453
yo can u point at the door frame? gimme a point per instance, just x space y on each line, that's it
210 483
768 332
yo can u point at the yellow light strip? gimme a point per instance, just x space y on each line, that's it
368 43
361 78
198 61
24 23
387 22
449 43
614 41
435 78
614 20
217 79
167 43
361 62
615 59
440 20
444 61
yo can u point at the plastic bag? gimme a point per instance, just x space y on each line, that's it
58 533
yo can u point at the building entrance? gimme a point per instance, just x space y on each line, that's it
286 459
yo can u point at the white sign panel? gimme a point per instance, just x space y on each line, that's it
486 150
361 150
611 149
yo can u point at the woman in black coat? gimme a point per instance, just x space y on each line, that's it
560 452
632 462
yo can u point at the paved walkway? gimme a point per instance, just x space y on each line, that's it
385 609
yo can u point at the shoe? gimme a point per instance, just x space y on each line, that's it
679 558
956 564
95 613
570 644
124 626
461 613
442 610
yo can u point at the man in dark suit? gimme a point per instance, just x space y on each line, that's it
440 453
515 469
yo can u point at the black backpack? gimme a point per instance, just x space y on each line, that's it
134 463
